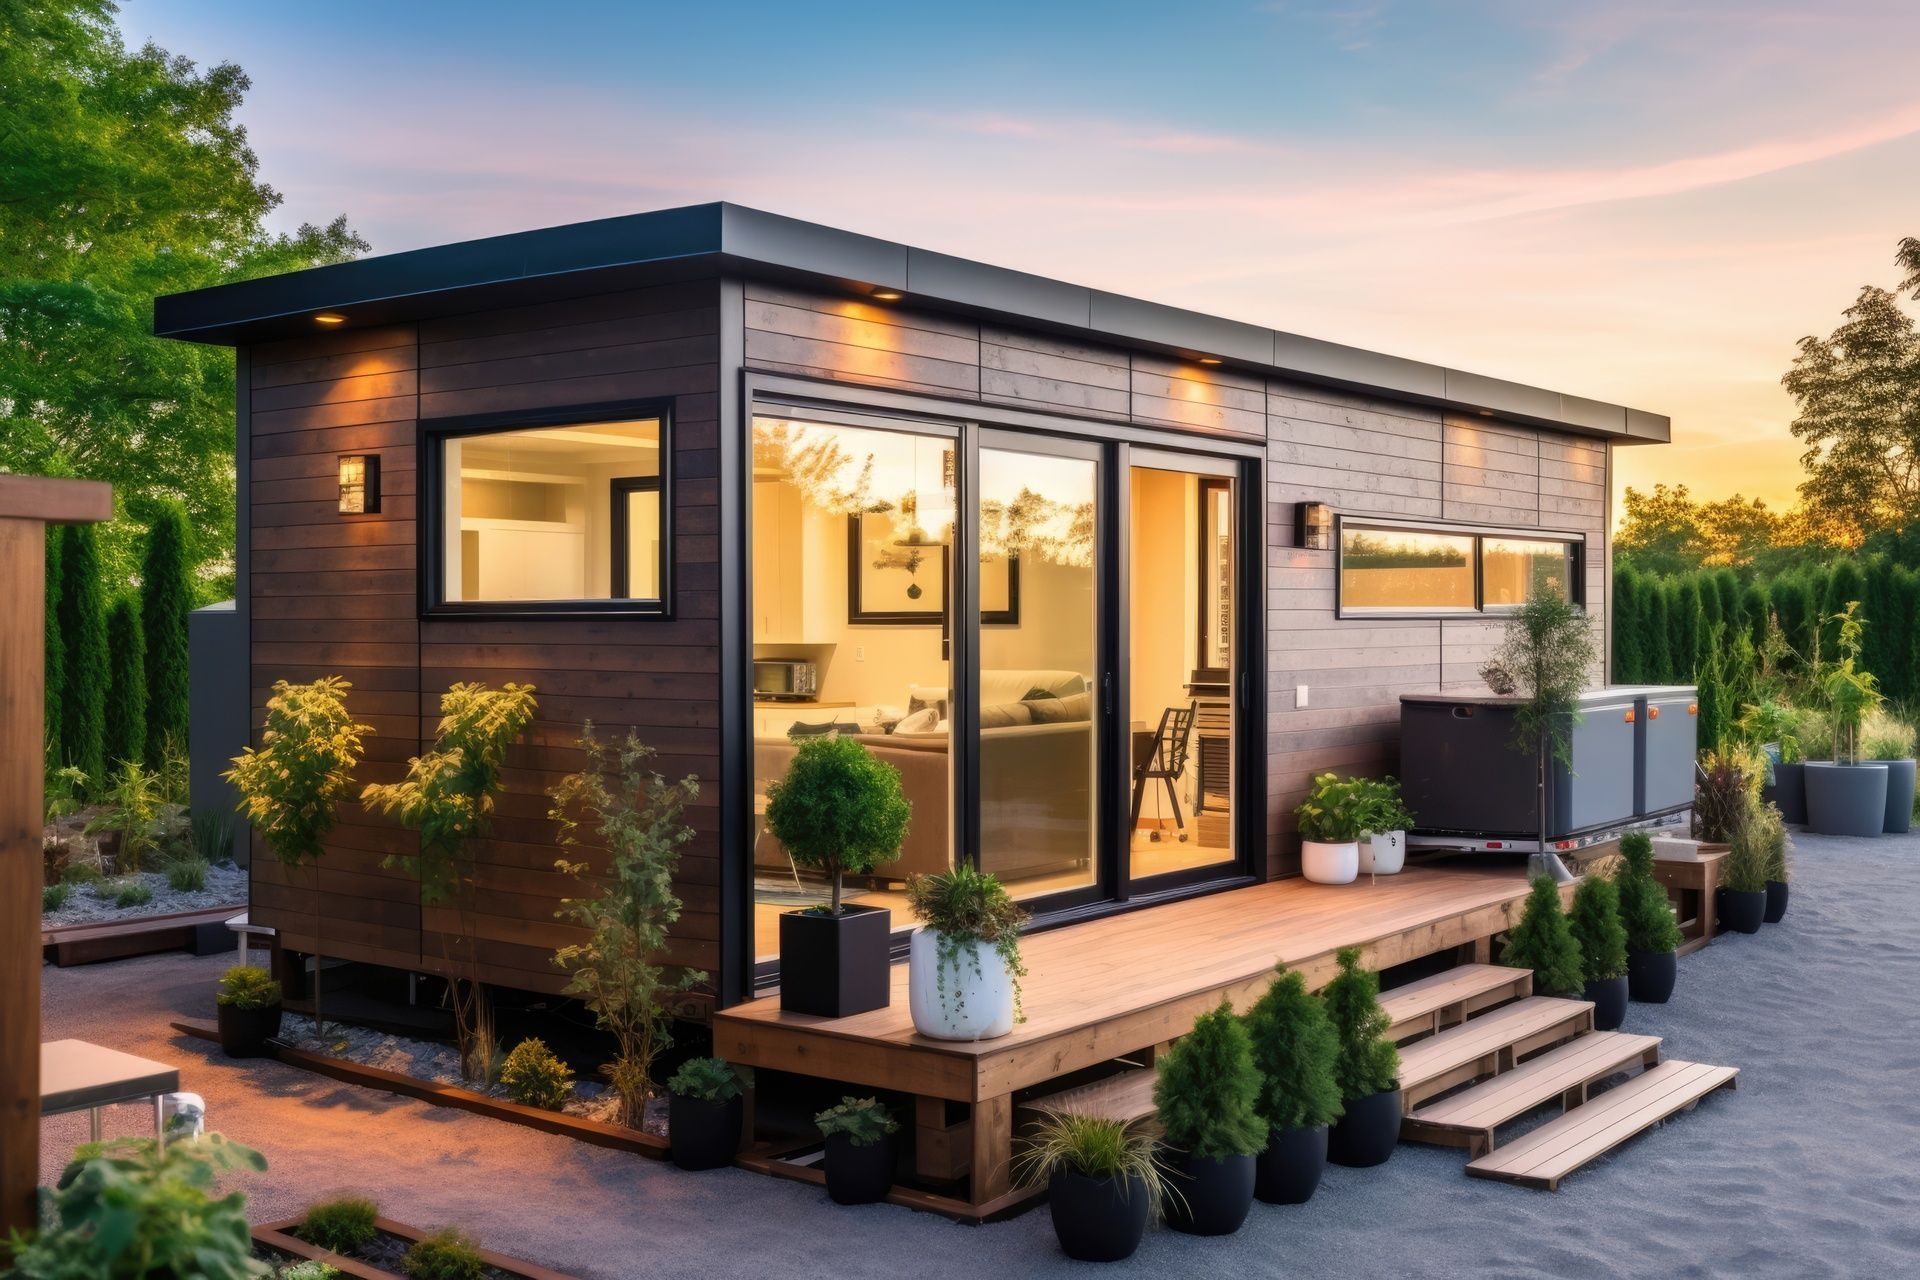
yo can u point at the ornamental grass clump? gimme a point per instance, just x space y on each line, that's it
839 810
864 1121
188 874
1207 1090
1729 782
1094 1147
128 893
54 896
1296 1052
534 1077
447 1254
1749 849
1544 943
961 907
1367 1063
340 1225
1644 909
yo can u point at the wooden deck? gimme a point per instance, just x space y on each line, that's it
1109 988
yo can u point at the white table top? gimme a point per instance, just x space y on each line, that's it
76 1075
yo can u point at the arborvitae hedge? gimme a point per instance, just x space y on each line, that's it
1755 605
1710 615
55 651
1845 583
1793 604
1684 629
83 627
1883 623
1727 583
1544 943
1656 658
1629 644
126 725
166 597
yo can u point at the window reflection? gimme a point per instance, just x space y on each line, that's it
1405 569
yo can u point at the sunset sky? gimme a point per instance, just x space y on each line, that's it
1644 202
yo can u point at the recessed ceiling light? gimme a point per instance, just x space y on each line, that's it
1486 413
329 318
886 295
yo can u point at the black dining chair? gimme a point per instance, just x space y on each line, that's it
1166 760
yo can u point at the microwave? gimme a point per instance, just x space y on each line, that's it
785 680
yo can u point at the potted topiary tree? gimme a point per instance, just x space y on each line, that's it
963 964
1544 943
1548 653
706 1109
1652 933
1329 822
861 1150
1383 827
1602 940
1367 1067
1104 1183
1743 873
247 1011
1845 798
1296 1053
1205 1096
1779 869
839 810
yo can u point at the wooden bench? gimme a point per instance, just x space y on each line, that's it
1471 1117
1548 1154
202 932
1435 1003
1487 1045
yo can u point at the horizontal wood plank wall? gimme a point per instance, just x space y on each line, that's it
322 396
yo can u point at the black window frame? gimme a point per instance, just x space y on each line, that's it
1577 585
431 526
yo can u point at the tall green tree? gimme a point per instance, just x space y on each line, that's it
1629 650
1879 603
83 629
1710 615
1793 603
166 597
126 726
1902 683
1683 626
1755 606
1655 645
126 176
54 650
1727 584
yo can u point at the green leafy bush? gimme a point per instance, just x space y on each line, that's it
134 1208
534 1077
132 812
1207 1090
1333 811
54 896
964 906
1644 909
127 893
863 1120
1771 721
1597 929
81 873
839 809
710 1080
1368 1062
306 1269
1381 808
246 986
188 874
1544 943
341 1225
1094 1147
1297 1053
447 1254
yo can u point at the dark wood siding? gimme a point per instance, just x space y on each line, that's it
338 595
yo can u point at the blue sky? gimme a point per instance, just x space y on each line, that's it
1645 202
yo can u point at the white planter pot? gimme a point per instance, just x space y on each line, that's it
968 998
1383 853
1329 863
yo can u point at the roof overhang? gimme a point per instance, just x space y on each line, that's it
707 240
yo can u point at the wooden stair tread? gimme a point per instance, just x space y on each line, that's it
1467 987
1127 1097
1548 1154
1490 1032
1540 1080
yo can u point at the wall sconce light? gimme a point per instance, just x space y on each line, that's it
329 319
1316 526
359 484
886 295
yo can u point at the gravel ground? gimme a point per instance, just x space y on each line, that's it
226 886
1812 1168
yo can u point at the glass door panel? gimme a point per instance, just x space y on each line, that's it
1182 562
1040 699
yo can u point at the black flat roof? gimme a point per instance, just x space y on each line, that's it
706 239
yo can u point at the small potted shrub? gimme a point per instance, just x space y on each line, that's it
1652 933
1779 869
705 1111
1104 1183
963 965
1329 821
861 1150
1206 1095
248 1011
1296 1053
1743 874
1383 827
1887 742
1367 1067
1847 798
534 1077
1602 939
1544 943
839 810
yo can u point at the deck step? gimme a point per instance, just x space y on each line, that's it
1493 1042
1554 1150
1432 1004
1469 1118
1126 1097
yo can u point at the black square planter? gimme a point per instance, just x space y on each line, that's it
833 966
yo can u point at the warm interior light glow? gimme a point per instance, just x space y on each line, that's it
1209 359
329 318
887 295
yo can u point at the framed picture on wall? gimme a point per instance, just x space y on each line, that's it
894 581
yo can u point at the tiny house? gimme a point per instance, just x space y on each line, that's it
1106 581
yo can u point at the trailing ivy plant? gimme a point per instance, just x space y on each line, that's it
1297 1053
618 804
1544 943
1368 1063
134 1207
1644 909
864 1121
1601 937
1207 1090
291 785
448 797
839 809
961 907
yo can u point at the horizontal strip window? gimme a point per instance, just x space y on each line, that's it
1389 569
567 513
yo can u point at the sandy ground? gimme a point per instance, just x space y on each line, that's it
1811 1169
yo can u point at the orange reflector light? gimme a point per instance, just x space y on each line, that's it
1653 713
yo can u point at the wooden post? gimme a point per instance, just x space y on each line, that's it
27 506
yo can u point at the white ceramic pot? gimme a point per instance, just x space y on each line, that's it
970 997
1383 853
1330 863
